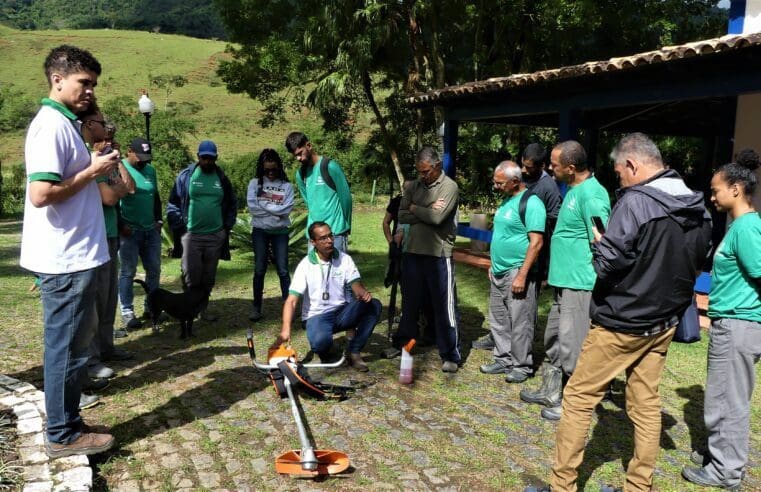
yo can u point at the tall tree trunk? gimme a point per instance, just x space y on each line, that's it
367 85
439 68
417 60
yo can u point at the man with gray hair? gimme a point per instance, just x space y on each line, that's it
516 241
646 263
429 206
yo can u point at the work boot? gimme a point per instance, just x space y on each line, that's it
552 413
355 361
549 392
486 342
86 443
496 367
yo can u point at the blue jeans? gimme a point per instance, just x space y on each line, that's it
68 310
262 240
357 314
147 246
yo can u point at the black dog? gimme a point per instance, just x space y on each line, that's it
184 306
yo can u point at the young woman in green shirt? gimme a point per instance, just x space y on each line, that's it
734 307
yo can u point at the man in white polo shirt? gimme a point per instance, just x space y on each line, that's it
64 240
326 278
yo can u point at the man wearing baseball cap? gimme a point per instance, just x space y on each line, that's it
139 229
203 201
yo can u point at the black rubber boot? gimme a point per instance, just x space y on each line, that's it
548 392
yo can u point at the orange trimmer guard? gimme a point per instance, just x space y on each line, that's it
329 462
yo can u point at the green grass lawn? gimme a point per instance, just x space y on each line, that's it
128 59
182 407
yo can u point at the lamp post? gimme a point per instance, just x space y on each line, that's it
146 107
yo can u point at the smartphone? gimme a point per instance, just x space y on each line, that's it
106 150
597 221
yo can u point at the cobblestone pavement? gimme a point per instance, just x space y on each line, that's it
194 415
197 416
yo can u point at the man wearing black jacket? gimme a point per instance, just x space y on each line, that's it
646 262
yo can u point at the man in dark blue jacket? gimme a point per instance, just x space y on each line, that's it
203 201
646 262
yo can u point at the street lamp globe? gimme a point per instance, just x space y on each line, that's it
146 107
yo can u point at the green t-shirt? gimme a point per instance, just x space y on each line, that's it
137 209
509 241
735 291
323 203
205 210
570 250
109 213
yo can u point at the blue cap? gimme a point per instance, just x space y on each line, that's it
207 147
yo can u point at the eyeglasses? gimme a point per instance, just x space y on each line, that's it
498 183
322 239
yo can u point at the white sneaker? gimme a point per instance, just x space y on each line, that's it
99 371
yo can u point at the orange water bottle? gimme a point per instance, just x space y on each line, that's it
405 368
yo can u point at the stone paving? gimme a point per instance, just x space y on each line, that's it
41 474
197 416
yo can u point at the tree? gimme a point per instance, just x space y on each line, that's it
340 56
167 82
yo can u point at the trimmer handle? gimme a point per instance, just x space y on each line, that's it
269 367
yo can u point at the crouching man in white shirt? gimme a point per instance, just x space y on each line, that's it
326 279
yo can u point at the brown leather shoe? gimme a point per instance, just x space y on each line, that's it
94 429
86 443
355 361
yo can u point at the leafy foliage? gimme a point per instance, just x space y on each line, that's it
196 18
168 130
342 57
16 109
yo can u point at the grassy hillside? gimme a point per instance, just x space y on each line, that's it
128 57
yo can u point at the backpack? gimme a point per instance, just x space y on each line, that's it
326 177
522 206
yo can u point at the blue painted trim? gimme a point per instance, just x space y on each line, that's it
736 16
464 230
450 148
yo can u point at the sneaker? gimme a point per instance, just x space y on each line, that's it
496 367
515 376
130 321
356 361
119 354
96 385
86 443
700 476
486 342
255 314
99 371
449 366
88 401
120 333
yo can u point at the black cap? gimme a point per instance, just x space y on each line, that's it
142 149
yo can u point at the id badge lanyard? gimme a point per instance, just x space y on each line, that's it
326 280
